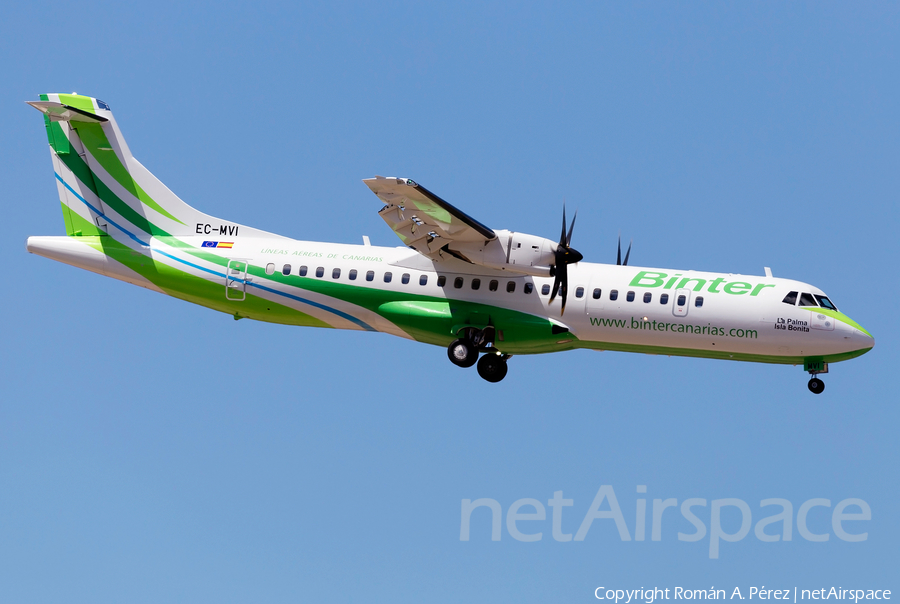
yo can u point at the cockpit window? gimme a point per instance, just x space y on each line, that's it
824 302
807 300
791 298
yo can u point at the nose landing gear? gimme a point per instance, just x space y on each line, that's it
816 386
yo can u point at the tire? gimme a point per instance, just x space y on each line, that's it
492 367
816 386
461 353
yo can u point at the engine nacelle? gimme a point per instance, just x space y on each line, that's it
515 252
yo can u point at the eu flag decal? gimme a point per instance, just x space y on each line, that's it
210 244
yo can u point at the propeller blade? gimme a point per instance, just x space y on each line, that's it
565 256
555 282
628 253
571 227
562 235
564 287
619 252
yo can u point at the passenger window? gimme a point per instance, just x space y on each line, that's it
824 302
807 300
698 301
545 289
630 296
614 294
370 275
388 277
336 273
493 285
664 298
529 287
352 274
476 283
404 279
423 280
320 271
681 300
511 286
270 268
579 292
648 297
286 270
303 270
791 298
458 282
442 280
596 294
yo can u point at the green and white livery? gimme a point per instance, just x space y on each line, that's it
456 283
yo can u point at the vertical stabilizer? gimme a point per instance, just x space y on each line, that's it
101 184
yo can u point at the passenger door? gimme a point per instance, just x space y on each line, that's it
682 302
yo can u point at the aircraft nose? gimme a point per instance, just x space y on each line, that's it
862 336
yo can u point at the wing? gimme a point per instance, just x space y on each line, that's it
424 221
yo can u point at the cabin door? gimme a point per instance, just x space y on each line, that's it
593 297
236 280
682 302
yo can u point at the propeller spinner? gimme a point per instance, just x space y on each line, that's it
565 255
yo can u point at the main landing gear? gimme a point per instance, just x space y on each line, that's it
464 353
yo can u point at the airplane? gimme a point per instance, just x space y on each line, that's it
484 294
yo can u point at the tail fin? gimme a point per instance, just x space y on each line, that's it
100 182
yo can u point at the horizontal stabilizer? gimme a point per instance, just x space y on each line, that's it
60 112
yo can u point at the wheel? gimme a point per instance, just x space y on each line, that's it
816 386
492 367
462 353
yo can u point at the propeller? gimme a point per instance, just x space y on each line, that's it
565 255
627 253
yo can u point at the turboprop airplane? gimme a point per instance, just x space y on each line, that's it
455 282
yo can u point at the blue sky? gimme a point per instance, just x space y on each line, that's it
151 450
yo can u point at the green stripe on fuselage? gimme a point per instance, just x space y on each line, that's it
834 314
211 294
715 354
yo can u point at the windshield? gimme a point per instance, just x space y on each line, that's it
824 302
807 300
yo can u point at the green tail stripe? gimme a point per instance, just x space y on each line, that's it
81 227
76 100
98 144
83 173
